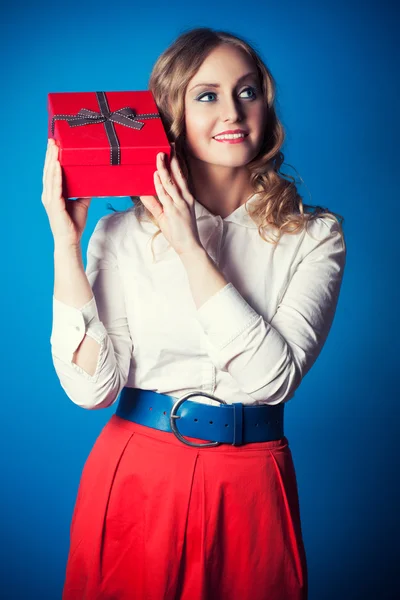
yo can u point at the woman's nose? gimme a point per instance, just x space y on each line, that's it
231 111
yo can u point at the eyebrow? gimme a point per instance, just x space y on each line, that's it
217 85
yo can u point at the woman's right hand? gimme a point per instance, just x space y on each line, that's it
67 218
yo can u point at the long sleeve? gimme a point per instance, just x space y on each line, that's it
104 319
269 359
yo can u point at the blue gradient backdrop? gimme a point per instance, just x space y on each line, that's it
334 63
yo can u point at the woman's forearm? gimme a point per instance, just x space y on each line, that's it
205 279
71 286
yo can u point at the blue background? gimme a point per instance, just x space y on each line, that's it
334 63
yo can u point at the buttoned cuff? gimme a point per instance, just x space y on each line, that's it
225 316
70 325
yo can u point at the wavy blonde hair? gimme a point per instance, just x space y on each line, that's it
279 204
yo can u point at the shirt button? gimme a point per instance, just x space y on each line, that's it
77 328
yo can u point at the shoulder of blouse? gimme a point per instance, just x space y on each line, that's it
323 227
324 233
115 224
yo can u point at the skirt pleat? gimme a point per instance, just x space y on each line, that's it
155 519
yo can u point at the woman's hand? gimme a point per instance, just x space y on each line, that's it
67 218
175 210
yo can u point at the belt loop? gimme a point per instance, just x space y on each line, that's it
237 423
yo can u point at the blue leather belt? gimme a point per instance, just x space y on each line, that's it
234 424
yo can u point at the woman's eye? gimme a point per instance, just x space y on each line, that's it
200 98
248 89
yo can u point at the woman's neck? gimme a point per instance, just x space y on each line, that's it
220 189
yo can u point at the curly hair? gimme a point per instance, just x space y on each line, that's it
278 204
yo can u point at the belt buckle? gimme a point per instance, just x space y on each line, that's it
173 416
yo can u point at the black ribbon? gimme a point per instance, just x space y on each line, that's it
124 116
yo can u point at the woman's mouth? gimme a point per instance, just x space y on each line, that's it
235 138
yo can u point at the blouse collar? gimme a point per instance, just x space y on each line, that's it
239 215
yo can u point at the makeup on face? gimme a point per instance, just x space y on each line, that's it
224 103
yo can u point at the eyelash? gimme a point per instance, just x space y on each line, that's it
214 93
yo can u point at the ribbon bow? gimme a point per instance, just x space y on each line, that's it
124 116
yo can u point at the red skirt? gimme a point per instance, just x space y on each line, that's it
156 519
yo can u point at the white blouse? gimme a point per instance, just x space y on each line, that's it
252 342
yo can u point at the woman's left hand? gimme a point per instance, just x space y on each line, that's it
175 210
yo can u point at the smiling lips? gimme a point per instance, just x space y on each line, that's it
231 137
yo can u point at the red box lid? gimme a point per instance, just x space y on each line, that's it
89 145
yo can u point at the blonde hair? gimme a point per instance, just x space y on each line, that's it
278 204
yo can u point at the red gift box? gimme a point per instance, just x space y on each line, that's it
108 142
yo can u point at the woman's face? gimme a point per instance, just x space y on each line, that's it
233 102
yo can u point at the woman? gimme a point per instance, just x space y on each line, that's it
195 499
